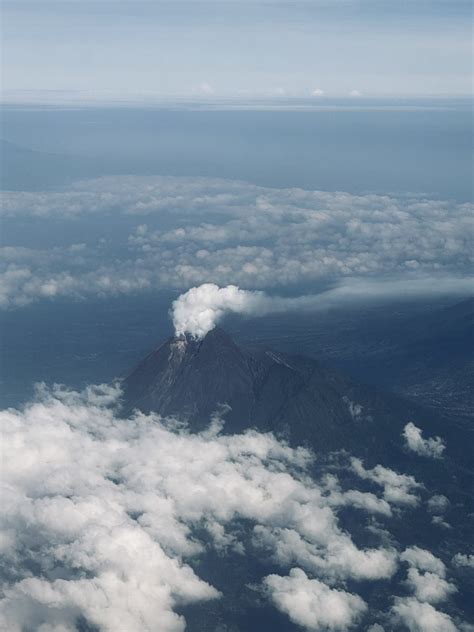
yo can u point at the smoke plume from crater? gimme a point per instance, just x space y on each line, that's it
200 309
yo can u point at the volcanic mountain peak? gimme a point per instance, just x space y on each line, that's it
294 396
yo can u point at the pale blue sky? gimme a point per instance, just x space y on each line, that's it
114 50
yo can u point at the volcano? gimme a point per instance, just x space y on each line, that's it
295 397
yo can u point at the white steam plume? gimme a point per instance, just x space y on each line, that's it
200 309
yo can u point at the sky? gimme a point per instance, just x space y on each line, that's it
111 51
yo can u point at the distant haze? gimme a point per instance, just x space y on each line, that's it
118 50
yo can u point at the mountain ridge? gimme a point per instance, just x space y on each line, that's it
293 396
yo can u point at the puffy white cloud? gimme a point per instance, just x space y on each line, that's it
201 230
355 498
462 559
438 520
423 560
432 447
398 488
102 515
438 504
363 500
339 559
421 616
428 586
20 285
313 605
426 576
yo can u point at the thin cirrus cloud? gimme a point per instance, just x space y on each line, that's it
182 232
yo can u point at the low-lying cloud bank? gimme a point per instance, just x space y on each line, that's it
182 232
102 517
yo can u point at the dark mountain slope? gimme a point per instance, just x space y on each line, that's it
420 350
293 396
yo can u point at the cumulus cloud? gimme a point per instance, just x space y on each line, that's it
339 559
102 517
421 617
183 232
398 488
426 576
462 559
429 587
423 560
438 520
20 285
438 504
432 447
354 498
313 605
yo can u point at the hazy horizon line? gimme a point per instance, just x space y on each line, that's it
306 102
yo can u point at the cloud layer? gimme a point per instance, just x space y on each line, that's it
96 509
181 232
102 518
